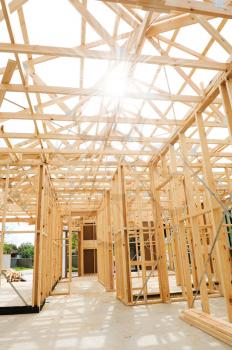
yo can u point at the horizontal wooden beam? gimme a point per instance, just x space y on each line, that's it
84 137
44 89
83 163
199 7
92 119
111 55
83 213
100 119
95 164
91 152
217 328
19 219
189 6
78 173
81 188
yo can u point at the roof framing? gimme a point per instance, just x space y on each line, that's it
87 126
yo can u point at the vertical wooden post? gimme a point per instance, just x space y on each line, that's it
160 243
37 272
181 243
117 229
69 252
80 251
59 237
226 93
175 200
141 239
221 246
195 228
3 231
125 238
109 278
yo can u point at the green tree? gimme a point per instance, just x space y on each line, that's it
8 248
74 243
26 250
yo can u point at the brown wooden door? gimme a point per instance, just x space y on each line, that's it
90 261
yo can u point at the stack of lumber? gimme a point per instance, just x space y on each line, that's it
13 276
218 328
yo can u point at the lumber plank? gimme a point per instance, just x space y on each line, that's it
216 327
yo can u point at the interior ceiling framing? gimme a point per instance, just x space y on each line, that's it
88 85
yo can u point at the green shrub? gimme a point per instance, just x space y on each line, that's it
8 248
26 250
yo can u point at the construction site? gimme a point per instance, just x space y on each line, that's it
116 173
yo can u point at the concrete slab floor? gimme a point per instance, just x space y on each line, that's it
93 319
8 297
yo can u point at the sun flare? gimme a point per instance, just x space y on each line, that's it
116 83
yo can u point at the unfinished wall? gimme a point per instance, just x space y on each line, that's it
27 196
194 181
48 240
138 270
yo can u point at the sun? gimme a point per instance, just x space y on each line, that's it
116 83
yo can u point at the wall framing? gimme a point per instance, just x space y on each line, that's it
161 197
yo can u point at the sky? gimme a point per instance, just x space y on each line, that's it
19 238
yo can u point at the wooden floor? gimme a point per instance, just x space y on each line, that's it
93 319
